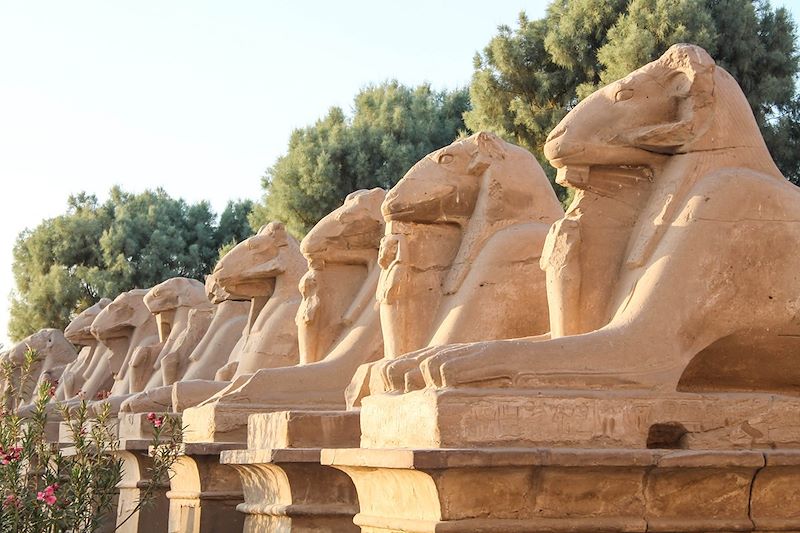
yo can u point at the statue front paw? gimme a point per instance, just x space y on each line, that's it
144 402
388 375
128 406
227 372
475 364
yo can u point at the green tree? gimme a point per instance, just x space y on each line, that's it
234 225
50 267
97 250
783 138
527 78
153 237
518 91
391 128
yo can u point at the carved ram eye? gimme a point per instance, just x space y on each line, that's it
623 94
445 159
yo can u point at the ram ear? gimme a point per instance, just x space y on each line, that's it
688 72
276 230
489 147
135 316
355 194
189 292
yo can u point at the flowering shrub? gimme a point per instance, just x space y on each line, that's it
47 487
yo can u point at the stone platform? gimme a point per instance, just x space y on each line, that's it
288 490
554 490
62 433
459 418
136 426
203 493
285 487
136 465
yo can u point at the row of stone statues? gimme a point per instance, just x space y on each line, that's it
672 272
451 254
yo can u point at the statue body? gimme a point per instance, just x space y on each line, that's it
217 347
171 302
91 356
265 269
182 314
227 321
673 268
122 327
338 322
460 259
54 354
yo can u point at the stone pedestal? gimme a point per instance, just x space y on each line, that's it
538 461
457 418
65 434
285 487
572 490
135 464
52 431
203 493
136 426
303 429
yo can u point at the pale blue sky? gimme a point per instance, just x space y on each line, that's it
199 97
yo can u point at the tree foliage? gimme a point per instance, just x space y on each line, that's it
527 78
95 250
233 225
391 128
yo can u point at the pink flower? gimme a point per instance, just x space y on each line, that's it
48 494
103 394
157 421
12 501
11 455
48 498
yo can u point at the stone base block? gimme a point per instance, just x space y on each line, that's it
225 423
216 423
136 465
285 487
135 426
303 429
288 490
65 434
455 418
203 493
52 431
572 490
